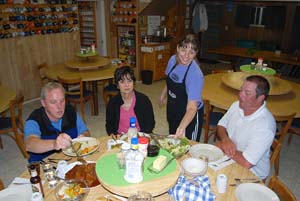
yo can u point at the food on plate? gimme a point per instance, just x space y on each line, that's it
71 191
84 172
175 146
87 150
76 146
115 146
108 198
160 162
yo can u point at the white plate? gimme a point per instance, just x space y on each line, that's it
211 151
86 142
257 192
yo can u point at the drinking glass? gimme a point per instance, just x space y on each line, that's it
50 174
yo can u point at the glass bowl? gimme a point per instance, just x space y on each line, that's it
71 190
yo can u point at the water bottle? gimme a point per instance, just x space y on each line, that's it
132 131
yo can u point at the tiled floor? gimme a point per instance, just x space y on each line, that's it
12 163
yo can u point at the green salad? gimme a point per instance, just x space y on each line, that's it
175 146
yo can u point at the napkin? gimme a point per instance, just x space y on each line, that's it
18 190
62 170
221 163
196 189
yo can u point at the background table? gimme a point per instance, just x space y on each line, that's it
222 96
232 171
88 63
6 95
93 76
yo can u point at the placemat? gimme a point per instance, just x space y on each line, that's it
108 170
247 68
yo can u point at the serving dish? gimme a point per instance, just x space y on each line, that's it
71 190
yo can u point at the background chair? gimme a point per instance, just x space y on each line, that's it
80 96
42 68
12 124
281 190
109 91
210 121
294 129
1 185
275 155
283 124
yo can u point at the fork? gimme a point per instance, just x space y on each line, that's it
79 158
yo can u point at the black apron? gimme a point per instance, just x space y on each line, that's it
176 108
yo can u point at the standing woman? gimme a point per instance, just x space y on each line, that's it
183 90
128 103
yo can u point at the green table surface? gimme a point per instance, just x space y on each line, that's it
108 171
247 68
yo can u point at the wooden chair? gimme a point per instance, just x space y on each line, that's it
281 189
109 91
275 155
1 185
211 117
294 129
80 96
210 121
285 122
44 79
13 126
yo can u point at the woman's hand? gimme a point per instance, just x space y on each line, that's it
180 132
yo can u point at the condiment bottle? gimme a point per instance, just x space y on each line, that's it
36 182
134 143
132 131
143 145
134 166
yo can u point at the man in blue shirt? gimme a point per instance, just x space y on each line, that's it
52 126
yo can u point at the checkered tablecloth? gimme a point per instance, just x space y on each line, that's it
196 189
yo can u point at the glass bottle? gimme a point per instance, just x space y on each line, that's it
36 182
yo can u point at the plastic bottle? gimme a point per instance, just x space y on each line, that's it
132 131
36 182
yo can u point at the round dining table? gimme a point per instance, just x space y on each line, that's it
232 171
222 96
7 94
91 75
88 63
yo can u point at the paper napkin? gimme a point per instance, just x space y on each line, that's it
221 163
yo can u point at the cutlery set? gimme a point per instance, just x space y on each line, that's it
245 180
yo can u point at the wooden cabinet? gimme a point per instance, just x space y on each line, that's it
87 18
155 57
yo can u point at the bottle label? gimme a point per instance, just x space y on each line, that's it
36 188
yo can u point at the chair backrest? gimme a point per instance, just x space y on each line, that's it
42 68
222 71
1 185
206 117
281 189
285 121
16 109
275 148
69 83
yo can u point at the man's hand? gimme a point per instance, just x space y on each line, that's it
62 141
228 147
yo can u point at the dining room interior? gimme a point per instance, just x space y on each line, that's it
90 39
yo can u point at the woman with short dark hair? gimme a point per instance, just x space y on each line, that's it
128 103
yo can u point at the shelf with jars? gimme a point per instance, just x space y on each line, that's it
33 19
87 18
